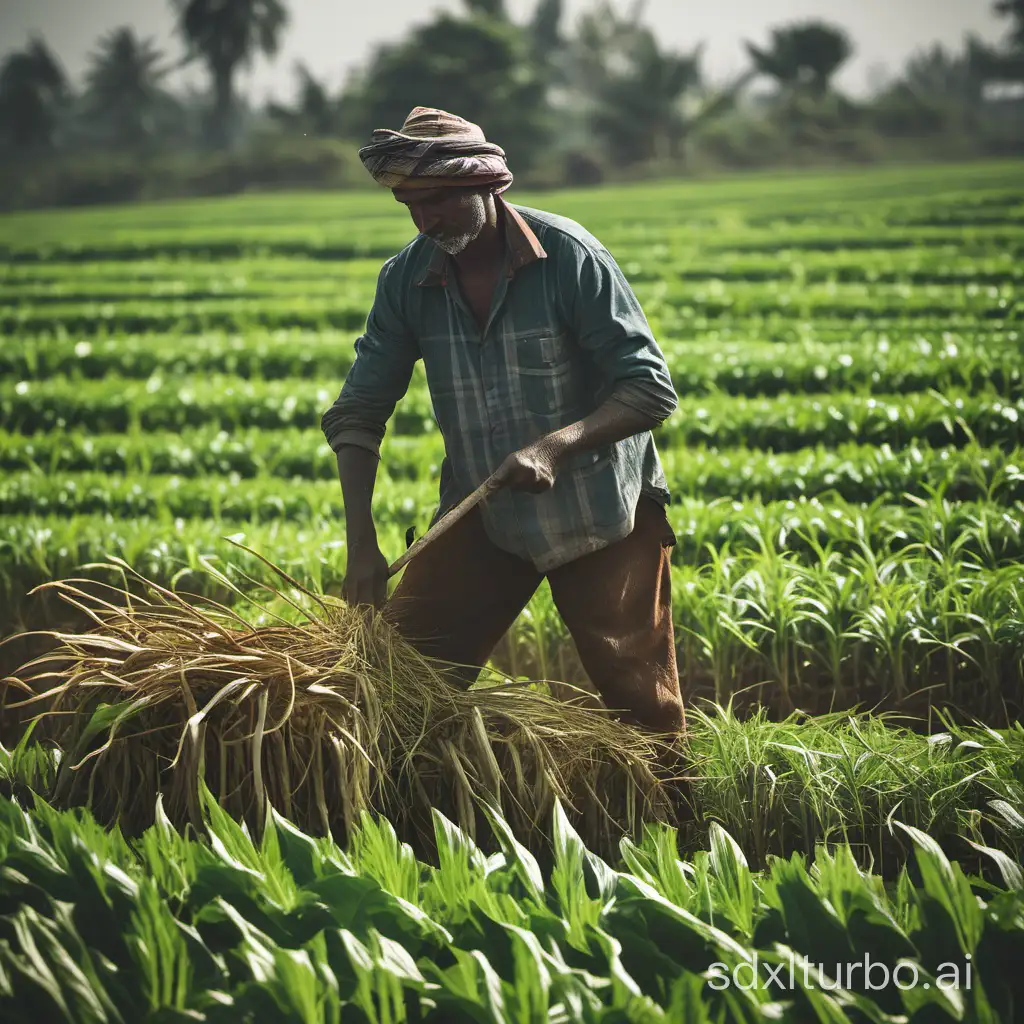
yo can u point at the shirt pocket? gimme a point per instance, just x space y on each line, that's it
544 366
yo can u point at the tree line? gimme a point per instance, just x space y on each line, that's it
576 104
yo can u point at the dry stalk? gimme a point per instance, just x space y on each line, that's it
324 720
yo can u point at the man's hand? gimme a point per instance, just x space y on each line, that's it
532 468
535 467
366 581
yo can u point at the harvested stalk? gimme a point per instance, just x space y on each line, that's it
330 717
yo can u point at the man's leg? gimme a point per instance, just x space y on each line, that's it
459 595
617 604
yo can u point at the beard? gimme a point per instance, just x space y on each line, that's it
453 244
476 218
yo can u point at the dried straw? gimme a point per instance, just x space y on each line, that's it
322 719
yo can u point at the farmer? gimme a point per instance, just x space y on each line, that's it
542 368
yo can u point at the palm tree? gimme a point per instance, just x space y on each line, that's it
226 34
803 57
123 91
32 91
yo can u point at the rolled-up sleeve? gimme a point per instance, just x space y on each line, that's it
380 374
610 325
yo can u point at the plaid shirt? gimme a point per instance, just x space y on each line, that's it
565 332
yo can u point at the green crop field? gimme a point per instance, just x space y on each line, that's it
847 471
846 459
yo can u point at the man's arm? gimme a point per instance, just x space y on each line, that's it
354 427
366 575
610 326
534 467
609 323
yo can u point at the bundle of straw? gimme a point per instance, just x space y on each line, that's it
322 718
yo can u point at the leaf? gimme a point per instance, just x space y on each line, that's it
106 717
735 885
1012 874
946 884
686 1002
568 881
299 852
518 855
811 926
927 992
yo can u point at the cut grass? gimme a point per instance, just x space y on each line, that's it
323 718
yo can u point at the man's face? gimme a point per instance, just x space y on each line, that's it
450 217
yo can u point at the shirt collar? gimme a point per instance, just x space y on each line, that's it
521 244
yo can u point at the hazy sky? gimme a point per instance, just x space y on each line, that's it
333 35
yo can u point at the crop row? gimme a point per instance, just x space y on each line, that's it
843 623
851 471
657 262
258 500
697 366
356 278
937 334
719 299
856 473
784 422
711 300
788 422
991 531
667 322
329 282
380 237
177 273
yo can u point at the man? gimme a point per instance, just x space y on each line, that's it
541 368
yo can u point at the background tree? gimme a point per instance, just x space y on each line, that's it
545 29
640 101
487 8
123 95
315 113
803 57
940 91
226 35
33 91
479 68
635 87
1014 11
1007 65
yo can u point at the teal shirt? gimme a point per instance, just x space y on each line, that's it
565 333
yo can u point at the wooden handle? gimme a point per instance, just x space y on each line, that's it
446 522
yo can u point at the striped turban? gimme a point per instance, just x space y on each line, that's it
435 148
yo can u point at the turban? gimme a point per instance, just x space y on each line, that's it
435 148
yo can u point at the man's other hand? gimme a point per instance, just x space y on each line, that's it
366 581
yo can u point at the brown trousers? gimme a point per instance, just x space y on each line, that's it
460 595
